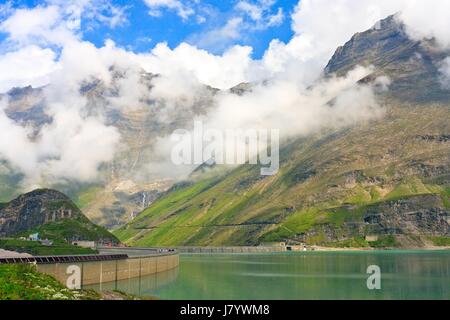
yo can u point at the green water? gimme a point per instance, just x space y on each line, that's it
404 275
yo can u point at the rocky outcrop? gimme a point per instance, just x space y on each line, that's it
434 138
419 215
34 209
52 214
423 215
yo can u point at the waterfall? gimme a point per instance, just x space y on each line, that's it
144 196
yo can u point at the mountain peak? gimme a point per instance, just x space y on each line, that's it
50 213
411 65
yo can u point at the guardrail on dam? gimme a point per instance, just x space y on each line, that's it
104 268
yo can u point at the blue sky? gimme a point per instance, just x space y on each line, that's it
202 23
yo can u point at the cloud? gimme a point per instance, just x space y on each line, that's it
6 8
245 19
93 12
183 10
60 22
260 12
76 142
321 26
294 108
276 19
30 65
15 145
68 148
252 10
219 71
427 19
40 25
288 92
219 39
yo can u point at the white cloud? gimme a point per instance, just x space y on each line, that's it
246 18
30 65
254 11
427 19
222 72
276 19
42 25
69 147
321 26
92 12
219 39
5 8
15 145
261 13
182 10
59 22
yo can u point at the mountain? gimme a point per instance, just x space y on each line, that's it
124 188
382 184
52 214
412 66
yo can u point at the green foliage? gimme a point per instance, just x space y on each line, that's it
385 242
87 196
440 241
357 242
66 230
23 282
446 197
37 249
74 228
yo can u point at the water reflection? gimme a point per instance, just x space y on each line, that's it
405 275
143 286
289 276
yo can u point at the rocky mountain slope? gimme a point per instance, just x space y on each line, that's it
124 189
386 183
410 65
50 213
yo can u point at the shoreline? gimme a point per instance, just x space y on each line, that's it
269 250
334 249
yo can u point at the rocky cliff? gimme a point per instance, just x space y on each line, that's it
50 213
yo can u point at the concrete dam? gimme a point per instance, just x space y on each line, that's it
111 265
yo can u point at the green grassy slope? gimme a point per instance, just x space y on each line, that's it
361 166
37 249
23 282
79 227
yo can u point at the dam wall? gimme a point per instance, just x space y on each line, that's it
99 272
191 249
231 250
99 269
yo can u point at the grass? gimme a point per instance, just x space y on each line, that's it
23 282
66 230
385 242
84 198
440 241
446 197
357 242
37 249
